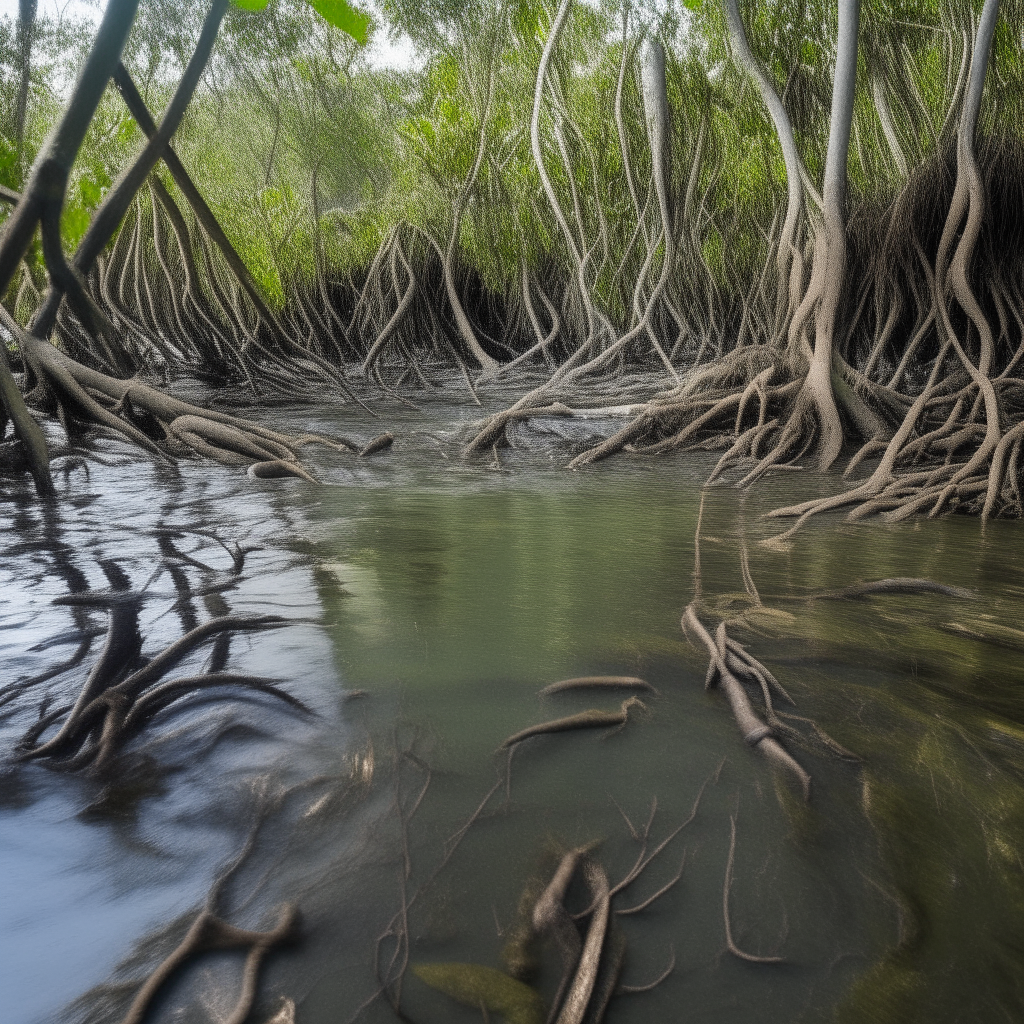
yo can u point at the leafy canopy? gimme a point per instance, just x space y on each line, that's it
338 13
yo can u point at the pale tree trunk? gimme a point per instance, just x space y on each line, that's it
790 155
832 233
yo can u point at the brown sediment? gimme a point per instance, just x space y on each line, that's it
598 683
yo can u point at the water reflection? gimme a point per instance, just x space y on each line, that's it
453 594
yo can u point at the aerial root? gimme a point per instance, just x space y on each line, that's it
729 942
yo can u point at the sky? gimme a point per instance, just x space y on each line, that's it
383 53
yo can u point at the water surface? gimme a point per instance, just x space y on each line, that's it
450 592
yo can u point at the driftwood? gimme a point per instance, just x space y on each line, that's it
592 719
598 683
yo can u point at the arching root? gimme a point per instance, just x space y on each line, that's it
160 424
124 691
211 932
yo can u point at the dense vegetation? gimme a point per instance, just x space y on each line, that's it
776 228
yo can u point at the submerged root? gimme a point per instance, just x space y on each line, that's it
729 941
598 683
210 932
756 732
592 719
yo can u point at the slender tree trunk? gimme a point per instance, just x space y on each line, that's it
46 185
790 155
206 217
117 201
833 232
48 178
26 29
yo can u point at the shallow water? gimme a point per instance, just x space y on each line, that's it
451 592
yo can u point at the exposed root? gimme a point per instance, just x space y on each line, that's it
756 733
160 424
124 691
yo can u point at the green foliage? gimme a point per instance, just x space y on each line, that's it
478 986
343 16
338 13
309 155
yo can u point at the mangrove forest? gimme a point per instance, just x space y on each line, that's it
511 511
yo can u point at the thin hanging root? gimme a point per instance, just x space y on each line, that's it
644 858
756 733
397 929
730 944
656 896
598 683
592 719
637 989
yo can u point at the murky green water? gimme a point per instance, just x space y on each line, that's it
451 593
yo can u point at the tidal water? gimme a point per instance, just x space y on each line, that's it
431 598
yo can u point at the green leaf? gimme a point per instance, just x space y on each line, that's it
343 15
473 985
251 5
